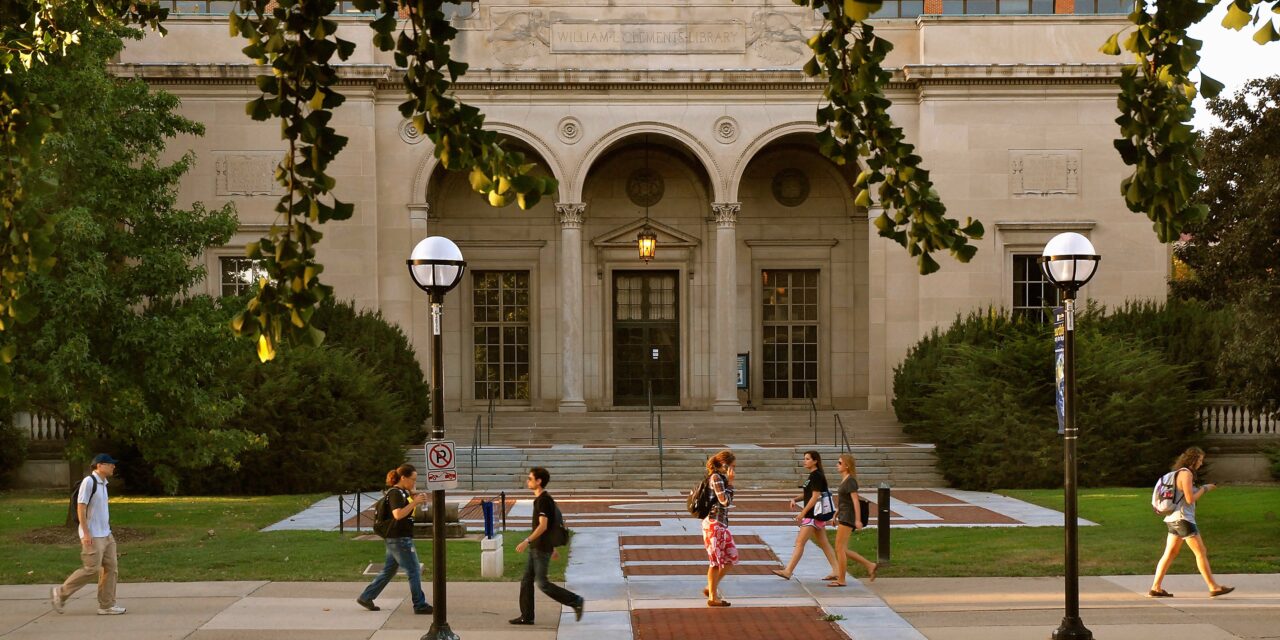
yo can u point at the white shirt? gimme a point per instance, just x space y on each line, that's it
97 516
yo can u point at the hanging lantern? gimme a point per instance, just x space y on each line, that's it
647 242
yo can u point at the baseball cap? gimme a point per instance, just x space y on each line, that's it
104 458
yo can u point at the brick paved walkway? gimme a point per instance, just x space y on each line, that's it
734 624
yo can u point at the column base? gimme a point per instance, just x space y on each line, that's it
726 406
572 406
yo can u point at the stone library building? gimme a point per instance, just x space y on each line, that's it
691 123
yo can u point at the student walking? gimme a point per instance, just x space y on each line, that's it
722 554
97 545
401 552
1182 526
542 552
849 520
810 528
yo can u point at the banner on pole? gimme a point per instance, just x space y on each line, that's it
1059 363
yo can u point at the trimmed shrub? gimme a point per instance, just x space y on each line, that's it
328 422
993 419
382 347
13 447
1189 333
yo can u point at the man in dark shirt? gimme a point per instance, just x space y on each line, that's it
541 552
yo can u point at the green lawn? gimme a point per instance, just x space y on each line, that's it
215 538
1239 526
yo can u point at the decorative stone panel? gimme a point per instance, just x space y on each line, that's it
645 187
1044 172
247 173
790 187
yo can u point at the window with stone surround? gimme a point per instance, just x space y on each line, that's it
1032 292
238 275
500 304
790 344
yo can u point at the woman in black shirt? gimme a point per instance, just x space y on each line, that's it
401 553
810 528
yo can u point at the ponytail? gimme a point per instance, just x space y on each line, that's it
720 461
403 471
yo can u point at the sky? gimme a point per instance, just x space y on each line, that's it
1232 58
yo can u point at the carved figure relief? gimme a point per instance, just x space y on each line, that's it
775 37
790 187
1044 173
645 187
518 36
247 174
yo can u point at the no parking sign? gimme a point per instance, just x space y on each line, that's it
442 473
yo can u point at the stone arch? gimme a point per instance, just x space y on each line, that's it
611 139
757 145
427 167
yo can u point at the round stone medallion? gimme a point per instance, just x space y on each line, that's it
645 187
569 130
791 187
726 130
409 132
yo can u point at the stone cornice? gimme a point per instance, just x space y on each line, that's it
385 77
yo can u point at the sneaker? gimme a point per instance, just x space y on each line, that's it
55 599
521 620
577 609
426 610
113 610
368 604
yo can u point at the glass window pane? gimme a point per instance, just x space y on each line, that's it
980 7
911 8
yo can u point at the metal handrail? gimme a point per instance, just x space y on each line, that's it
649 385
492 395
840 437
662 467
475 445
813 417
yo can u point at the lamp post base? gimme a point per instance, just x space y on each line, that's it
1072 629
440 632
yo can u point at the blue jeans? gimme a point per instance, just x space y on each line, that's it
400 553
535 571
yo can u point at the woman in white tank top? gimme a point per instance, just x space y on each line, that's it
1182 526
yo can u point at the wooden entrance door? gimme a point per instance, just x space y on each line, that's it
646 337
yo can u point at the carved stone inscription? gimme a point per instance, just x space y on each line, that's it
652 37
1041 173
249 173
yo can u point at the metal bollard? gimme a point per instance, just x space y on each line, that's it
503 497
882 525
358 512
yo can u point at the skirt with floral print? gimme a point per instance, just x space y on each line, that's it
721 551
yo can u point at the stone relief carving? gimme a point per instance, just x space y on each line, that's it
790 187
1044 173
725 213
409 132
247 174
570 214
518 36
726 130
776 37
645 187
569 130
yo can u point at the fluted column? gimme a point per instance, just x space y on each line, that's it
725 325
570 214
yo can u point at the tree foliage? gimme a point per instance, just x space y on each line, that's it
1233 253
123 359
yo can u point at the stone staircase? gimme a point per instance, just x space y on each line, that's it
614 450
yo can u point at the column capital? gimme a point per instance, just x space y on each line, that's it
726 213
570 214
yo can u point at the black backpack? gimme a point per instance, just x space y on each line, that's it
73 514
383 520
701 499
557 535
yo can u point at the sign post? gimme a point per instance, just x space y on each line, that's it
442 472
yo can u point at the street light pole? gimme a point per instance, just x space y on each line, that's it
436 266
1069 262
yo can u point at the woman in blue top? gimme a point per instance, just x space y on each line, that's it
811 528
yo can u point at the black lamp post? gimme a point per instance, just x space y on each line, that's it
1069 262
436 266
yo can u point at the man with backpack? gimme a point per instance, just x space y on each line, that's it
548 533
97 545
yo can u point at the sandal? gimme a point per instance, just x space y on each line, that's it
871 573
833 583
831 577
717 603
1159 594
706 593
781 574
1221 591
